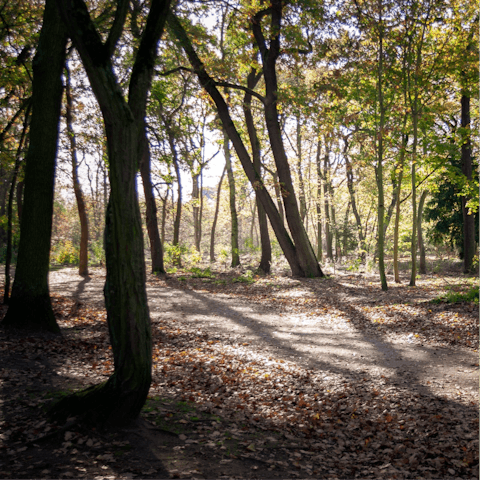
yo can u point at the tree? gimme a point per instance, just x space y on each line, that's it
296 256
82 211
120 399
30 306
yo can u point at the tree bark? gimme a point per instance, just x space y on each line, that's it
306 255
397 204
379 167
176 166
467 170
232 202
30 306
77 188
266 258
120 399
8 253
326 199
421 245
289 249
156 247
319 204
215 216
353 202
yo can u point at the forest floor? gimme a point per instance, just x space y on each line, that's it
257 377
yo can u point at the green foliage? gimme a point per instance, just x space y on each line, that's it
250 246
96 255
471 295
66 254
176 254
199 273
247 278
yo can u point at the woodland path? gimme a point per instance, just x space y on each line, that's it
339 340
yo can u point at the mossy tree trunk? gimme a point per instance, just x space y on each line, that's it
30 306
121 398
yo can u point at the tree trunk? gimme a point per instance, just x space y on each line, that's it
301 183
326 198
19 195
413 246
269 55
421 245
30 307
397 204
176 165
8 253
289 249
156 247
266 258
353 202
319 204
82 211
379 168
215 217
196 210
467 170
120 399
232 197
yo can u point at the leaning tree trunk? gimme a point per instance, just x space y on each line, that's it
30 306
290 251
215 216
120 399
397 205
305 254
77 188
232 199
266 258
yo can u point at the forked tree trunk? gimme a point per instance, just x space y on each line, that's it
30 306
269 54
120 399
77 188
290 251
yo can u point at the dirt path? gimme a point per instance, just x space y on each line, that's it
329 343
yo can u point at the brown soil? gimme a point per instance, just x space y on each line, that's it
368 355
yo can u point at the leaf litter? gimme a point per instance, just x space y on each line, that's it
220 408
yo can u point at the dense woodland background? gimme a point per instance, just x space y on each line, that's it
370 100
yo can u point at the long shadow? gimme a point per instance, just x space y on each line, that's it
412 435
389 358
